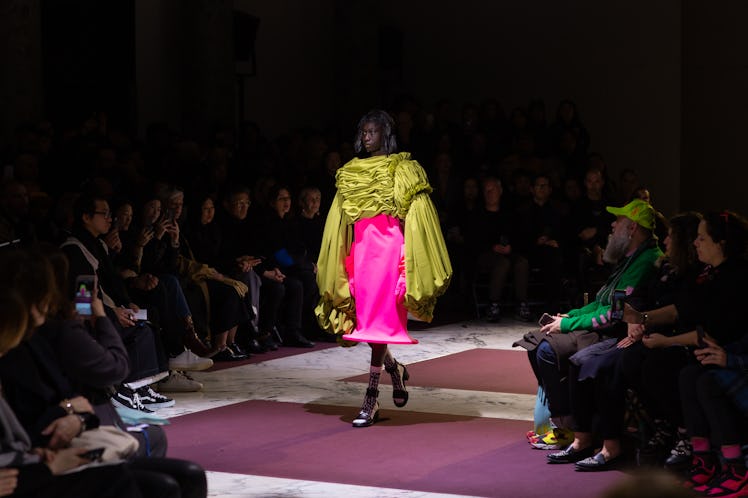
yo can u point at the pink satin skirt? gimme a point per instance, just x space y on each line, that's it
377 282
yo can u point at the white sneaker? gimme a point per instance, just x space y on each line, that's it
187 360
179 382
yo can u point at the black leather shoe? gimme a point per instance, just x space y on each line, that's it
237 350
268 343
298 341
254 347
570 455
227 355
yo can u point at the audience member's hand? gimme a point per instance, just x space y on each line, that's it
113 241
634 333
631 315
597 254
553 327
145 236
63 460
159 228
62 430
124 317
8 481
655 341
274 274
172 228
80 404
97 307
588 233
713 354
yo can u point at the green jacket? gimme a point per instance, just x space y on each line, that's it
628 274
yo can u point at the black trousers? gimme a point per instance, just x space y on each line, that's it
653 374
169 477
598 404
707 408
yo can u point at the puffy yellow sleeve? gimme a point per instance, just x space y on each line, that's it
427 266
336 309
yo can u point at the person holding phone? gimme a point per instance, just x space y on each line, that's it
29 471
633 250
381 221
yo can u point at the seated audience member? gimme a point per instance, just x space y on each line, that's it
589 222
310 223
457 226
43 398
634 252
653 373
489 240
282 244
223 297
539 235
710 387
242 256
88 256
29 471
15 223
153 284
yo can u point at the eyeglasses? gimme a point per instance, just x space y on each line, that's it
105 214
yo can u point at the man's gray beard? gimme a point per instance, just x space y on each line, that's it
616 248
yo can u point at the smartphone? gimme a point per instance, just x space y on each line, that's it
141 315
700 337
94 454
616 310
545 319
169 215
84 290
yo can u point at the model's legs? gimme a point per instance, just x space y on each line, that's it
370 409
399 374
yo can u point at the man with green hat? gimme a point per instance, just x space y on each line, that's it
632 248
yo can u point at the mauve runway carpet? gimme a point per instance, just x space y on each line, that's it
493 370
407 450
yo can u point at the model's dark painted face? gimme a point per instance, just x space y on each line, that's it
371 137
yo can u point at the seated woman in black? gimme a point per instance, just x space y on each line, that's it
653 373
42 395
32 471
705 387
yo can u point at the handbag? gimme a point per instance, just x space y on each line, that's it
117 444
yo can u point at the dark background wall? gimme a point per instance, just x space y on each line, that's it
660 85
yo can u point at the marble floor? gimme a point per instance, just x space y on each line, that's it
315 377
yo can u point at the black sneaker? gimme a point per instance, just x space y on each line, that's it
152 399
128 398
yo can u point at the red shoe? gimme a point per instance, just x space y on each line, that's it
732 482
703 469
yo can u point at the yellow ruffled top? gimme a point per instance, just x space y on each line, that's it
395 185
